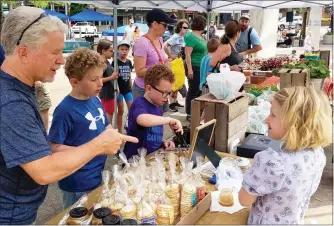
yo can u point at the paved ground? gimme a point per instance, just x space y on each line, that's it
320 211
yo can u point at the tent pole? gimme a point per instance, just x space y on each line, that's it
115 64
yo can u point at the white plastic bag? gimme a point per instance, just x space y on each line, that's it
257 115
229 175
226 84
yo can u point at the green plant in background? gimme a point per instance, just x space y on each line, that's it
317 68
329 33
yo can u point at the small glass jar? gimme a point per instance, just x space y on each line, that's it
226 197
77 216
99 214
111 220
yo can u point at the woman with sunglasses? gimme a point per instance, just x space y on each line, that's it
174 48
195 50
148 50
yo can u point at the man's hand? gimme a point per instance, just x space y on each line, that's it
111 141
169 144
38 84
176 125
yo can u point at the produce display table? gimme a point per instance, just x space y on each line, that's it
238 218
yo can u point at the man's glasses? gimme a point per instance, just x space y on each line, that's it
40 17
163 94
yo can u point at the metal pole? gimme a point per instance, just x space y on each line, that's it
115 64
207 25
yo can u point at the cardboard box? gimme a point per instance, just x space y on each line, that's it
231 117
197 212
294 77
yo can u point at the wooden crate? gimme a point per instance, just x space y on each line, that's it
294 77
325 56
231 118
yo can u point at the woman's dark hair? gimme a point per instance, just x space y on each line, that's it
231 29
103 44
179 25
136 28
198 23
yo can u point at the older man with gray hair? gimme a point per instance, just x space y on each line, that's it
33 43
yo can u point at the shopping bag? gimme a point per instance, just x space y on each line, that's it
179 72
225 85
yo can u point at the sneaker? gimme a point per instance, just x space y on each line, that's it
173 108
177 104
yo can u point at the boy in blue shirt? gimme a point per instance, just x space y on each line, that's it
78 119
146 117
205 68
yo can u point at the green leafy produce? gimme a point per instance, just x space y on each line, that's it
257 91
317 68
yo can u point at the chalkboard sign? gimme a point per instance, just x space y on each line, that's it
204 134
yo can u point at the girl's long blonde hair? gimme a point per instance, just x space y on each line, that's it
306 116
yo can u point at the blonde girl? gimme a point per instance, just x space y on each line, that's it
280 183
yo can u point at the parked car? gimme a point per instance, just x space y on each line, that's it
85 27
297 22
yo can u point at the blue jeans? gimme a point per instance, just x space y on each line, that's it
69 198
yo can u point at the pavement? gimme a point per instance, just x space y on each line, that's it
321 205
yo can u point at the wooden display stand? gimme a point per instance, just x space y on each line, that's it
231 116
294 77
199 215
325 56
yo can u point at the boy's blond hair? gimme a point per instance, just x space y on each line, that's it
306 116
81 61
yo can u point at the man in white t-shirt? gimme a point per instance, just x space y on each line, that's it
129 31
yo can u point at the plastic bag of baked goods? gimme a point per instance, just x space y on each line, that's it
129 211
145 211
188 193
200 183
229 175
173 188
142 162
79 214
165 209
107 192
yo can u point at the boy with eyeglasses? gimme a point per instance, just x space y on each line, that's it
146 117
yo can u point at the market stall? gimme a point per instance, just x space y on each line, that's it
200 214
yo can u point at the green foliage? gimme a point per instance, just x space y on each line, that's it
77 8
257 91
317 68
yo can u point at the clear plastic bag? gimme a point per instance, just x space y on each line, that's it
225 85
256 117
173 188
164 209
229 175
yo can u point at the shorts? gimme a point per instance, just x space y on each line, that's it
109 105
128 97
43 98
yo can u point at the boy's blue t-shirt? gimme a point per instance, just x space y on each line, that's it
150 138
76 122
204 69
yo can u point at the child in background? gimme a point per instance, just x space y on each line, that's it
124 81
78 119
145 115
280 183
107 93
205 68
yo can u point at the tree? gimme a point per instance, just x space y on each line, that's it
77 8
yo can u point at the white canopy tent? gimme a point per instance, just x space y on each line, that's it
207 6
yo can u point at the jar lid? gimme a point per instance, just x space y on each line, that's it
129 222
78 212
111 220
242 162
101 212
